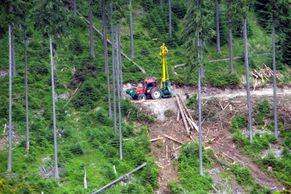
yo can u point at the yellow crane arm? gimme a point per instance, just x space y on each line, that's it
163 54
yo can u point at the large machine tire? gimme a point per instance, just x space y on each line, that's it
141 97
156 93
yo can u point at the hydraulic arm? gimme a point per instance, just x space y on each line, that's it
165 83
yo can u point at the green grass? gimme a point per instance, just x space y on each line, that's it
190 180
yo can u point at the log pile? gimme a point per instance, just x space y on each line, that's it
184 113
265 73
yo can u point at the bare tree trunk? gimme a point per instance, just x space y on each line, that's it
10 101
92 47
131 30
85 178
106 66
118 91
75 7
248 79
231 52
217 26
200 123
161 4
54 110
170 19
13 52
274 80
113 56
26 93
120 64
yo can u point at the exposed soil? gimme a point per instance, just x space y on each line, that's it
216 134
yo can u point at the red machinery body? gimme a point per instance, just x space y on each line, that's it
147 89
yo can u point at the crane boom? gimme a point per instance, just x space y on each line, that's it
165 82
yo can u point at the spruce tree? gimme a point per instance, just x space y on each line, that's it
197 23
52 20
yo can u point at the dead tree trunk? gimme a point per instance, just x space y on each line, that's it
92 47
119 91
200 123
26 93
248 79
10 101
131 30
231 52
75 7
56 174
113 57
13 52
106 66
217 26
274 80
170 20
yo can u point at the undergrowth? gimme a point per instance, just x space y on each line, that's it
280 166
188 168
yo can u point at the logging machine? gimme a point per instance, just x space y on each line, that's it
150 88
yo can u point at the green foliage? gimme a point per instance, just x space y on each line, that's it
188 167
192 102
132 113
262 111
260 143
222 79
51 17
77 149
198 26
244 178
276 12
175 188
281 167
88 96
13 11
238 121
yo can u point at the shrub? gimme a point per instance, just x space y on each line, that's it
238 121
217 79
262 111
189 170
76 149
244 178
175 188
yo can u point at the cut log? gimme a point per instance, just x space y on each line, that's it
156 139
182 115
178 115
173 139
120 178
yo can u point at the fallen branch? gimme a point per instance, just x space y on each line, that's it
156 139
173 139
120 178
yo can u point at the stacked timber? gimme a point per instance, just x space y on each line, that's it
184 113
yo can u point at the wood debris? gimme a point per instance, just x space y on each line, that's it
264 74
173 139
184 113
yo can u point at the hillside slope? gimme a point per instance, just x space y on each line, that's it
85 132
